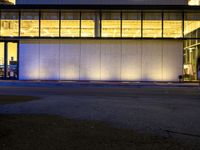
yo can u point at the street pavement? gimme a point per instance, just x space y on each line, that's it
169 111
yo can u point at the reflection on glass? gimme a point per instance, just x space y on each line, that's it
50 24
152 25
29 24
191 25
1 59
191 58
172 25
9 24
87 24
70 24
131 25
12 60
111 25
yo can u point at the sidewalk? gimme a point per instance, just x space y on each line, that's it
95 84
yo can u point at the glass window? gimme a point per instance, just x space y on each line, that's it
70 24
12 61
191 25
172 25
29 24
131 25
152 25
111 25
50 24
9 24
87 24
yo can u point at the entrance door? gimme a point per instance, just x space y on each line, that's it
2 60
8 60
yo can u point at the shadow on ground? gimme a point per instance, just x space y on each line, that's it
10 99
22 132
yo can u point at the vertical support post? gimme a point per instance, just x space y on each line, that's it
60 23
121 24
142 18
5 60
18 60
162 23
97 25
80 25
100 19
39 23
19 26
183 28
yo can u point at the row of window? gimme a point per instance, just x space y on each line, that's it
92 24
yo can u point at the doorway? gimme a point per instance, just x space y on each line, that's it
9 60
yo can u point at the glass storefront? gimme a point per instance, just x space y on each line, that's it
191 25
152 25
88 24
9 24
172 25
12 61
8 60
49 24
29 24
131 25
70 24
92 24
111 25
191 57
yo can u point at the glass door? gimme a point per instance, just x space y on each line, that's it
8 60
2 54
12 61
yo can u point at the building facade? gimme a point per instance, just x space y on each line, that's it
73 41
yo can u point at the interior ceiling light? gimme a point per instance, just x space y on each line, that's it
8 2
193 2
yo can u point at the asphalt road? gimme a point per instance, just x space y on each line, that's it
167 111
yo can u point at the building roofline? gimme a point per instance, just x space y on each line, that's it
103 7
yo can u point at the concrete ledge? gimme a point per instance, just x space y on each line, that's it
95 84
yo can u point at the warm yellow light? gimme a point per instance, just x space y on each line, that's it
152 28
11 1
110 28
193 2
50 28
70 28
191 25
172 28
9 27
131 28
87 28
29 28
12 53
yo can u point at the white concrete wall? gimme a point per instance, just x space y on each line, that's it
85 2
90 60
70 59
108 60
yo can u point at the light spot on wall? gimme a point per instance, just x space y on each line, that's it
128 75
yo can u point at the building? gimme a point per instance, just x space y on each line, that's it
130 40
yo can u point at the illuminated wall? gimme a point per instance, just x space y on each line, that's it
119 60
